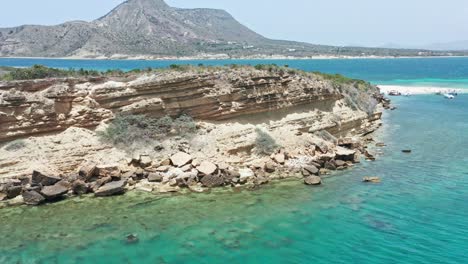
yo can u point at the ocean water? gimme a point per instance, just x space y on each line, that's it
439 72
418 214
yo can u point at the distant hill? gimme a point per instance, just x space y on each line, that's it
152 28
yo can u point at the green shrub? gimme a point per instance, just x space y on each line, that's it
15 145
264 143
129 129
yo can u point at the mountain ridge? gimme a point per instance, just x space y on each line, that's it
151 28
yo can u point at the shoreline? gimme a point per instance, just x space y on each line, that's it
217 58
419 90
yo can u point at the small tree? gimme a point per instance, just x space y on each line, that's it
264 143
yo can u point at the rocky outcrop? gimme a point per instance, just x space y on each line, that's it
44 106
252 126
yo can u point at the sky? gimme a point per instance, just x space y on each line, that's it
400 23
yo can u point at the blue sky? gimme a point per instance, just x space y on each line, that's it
337 22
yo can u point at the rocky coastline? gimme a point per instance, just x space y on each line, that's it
311 124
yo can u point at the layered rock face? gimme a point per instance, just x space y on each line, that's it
36 107
253 125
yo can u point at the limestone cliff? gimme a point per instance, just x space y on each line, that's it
57 117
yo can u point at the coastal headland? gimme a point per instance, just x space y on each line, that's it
179 129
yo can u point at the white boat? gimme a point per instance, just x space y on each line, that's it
449 96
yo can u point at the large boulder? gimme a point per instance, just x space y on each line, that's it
211 181
180 159
155 177
279 158
55 191
145 161
88 171
112 188
313 180
79 187
270 167
33 198
311 169
207 168
44 178
13 191
246 175
344 154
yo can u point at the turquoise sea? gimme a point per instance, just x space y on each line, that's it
418 214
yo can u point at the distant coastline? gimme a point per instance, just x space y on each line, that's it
226 57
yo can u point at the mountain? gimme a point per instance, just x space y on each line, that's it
461 45
152 28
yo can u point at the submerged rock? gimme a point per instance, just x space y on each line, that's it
371 179
313 180
132 239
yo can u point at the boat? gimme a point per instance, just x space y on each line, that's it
394 93
449 96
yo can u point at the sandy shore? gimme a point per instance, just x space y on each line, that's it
419 89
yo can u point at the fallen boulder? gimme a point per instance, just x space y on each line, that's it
55 191
79 187
180 159
207 168
212 181
88 171
279 158
311 169
44 178
155 177
33 198
111 188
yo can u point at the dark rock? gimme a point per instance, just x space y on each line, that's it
330 165
13 191
311 169
112 188
212 181
132 239
407 151
155 177
33 198
313 180
88 171
79 187
55 191
44 178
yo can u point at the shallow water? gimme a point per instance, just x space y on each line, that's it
418 214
